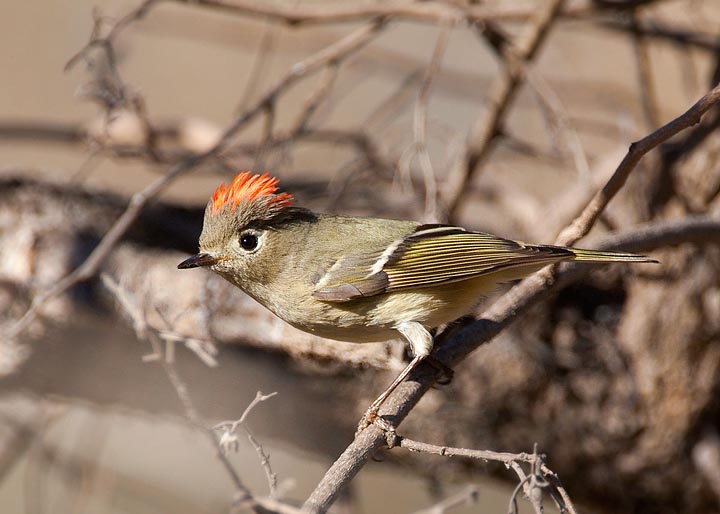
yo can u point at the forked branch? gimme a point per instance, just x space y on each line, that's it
500 315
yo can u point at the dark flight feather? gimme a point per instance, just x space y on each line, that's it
434 255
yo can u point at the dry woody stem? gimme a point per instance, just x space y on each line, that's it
442 196
500 315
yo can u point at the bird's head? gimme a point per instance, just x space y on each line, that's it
244 229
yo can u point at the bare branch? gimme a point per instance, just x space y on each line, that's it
326 56
448 451
419 146
315 100
228 440
486 127
532 482
585 220
244 496
501 314
429 11
648 91
468 496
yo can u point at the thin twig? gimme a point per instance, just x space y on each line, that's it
228 440
532 482
468 496
266 137
429 11
243 495
512 505
582 224
315 100
89 268
107 41
648 92
420 125
502 313
486 127
260 63
554 105
448 451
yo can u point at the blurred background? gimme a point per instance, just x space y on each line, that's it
503 116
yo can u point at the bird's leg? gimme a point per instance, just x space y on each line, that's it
371 415
421 343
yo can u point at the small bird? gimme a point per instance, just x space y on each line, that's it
360 279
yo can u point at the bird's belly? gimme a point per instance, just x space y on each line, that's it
348 321
351 333
376 318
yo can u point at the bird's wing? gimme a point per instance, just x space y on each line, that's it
432 255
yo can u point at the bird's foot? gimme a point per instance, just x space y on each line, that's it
368 419
371 417
446 373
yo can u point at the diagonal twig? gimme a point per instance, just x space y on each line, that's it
582 224
244 497
502 313
228 440
468 496
89 268
484 130
419 146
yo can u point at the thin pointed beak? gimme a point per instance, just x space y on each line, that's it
201 259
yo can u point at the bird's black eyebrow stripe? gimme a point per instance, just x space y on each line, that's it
288 215
428 226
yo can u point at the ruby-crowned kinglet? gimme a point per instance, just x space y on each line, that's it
360 279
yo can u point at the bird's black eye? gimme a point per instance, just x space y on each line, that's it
248 241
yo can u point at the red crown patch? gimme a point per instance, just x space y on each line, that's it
249 188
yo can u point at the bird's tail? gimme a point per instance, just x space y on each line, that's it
599 256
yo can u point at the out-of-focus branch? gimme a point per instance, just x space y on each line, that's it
106 41
419 146
561 117
699 230
228 440
44 131
314 101
260 63
339 12
585 220
662 31
648 93
468 496
486 127
329 55
429 11
502 313
244 497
